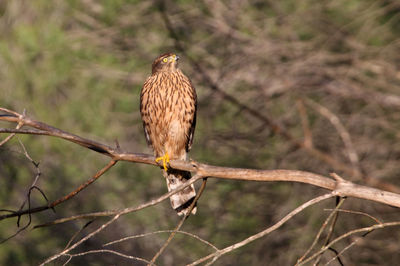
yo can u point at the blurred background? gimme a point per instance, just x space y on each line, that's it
306 85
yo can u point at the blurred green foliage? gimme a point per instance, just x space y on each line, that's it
80 65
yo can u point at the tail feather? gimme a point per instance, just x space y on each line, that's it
181 200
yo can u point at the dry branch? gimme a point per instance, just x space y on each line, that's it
360 230
340 186
281 222
324 225
159 232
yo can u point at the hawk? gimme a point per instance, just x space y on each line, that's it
168 105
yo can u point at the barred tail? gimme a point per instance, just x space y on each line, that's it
181 200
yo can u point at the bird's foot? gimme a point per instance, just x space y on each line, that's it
164 159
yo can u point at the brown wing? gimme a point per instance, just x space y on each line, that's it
192 124
190 108
144 98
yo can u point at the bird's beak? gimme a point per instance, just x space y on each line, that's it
176 57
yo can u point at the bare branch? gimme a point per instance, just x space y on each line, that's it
19 125
360 230
162 231
126 210
65 198
343 133
357 212
341 186
67 250
308 142
266 231
38 174
116 216
324 225
77 233
330 231
83 186
133 258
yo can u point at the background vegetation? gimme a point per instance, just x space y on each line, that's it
80 65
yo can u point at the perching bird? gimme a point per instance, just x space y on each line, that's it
168 105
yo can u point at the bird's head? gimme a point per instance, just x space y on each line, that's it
165 62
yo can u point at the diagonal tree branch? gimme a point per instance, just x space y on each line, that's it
281 222
158 232
60 200
340 186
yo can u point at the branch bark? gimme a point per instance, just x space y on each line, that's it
338 185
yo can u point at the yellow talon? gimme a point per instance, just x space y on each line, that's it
165 160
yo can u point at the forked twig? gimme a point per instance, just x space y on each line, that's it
60 200
330 231
77 233
360 230
346 248
324 225
19 125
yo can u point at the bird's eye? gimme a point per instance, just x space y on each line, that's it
165 60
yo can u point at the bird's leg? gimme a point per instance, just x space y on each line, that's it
165 160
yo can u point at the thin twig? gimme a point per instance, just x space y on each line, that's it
116 216
330 231
360 230
108 251
158 232
77 233
60 200
343 133
266 231
126 210
67 250
324 225
83 186
346 248
33 185
112 252
308 142
357 212
10 136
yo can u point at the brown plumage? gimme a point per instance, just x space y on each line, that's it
168 106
